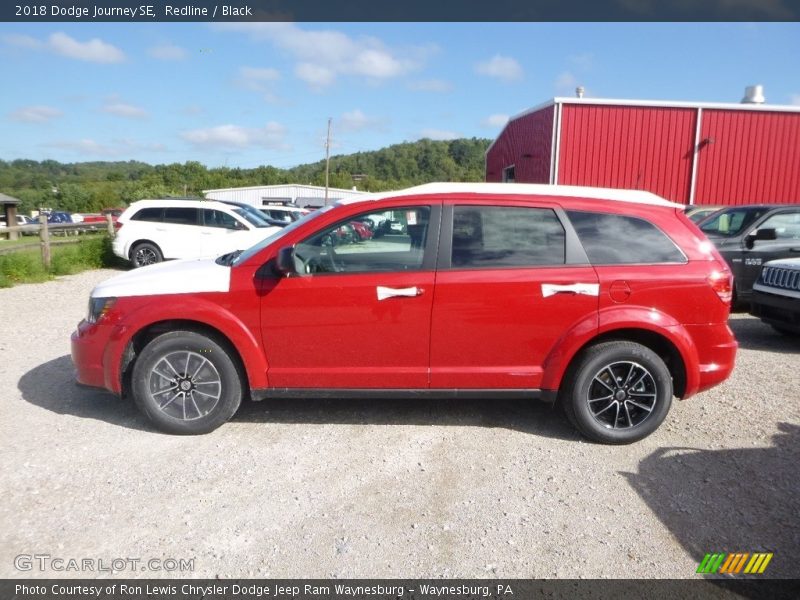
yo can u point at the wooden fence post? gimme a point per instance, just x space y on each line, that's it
44 235
110 224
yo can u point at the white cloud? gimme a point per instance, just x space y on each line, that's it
257 78
439 86
565 83
795 100
355 120
167 52
503 68
121 109
583 61
495 121
35 114
116 148
323 55
235 137
95 50
316 76
22 41
438 134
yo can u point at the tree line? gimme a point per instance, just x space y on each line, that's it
92 186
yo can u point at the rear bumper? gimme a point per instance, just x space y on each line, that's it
716 353
782 311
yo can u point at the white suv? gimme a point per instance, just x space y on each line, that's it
150 231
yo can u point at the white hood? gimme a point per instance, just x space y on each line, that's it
173 277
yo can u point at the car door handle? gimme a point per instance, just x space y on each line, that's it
387 292
587 289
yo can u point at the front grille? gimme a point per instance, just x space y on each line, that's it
781 277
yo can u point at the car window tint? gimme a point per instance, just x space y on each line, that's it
217 218
506 236
180 215
617 239
148 214
371 242
786 225
731 222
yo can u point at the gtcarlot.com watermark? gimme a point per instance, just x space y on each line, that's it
48 562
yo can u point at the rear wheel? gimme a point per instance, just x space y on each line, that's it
617 392
145 253
186 383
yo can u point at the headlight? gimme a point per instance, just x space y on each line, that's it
98 307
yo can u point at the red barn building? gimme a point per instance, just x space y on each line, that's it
692 153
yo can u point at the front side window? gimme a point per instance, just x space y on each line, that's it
617 239
385 241
786 225
506 236
217 218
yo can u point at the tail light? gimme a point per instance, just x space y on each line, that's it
118 225
721 281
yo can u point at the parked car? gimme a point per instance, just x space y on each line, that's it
776 295
150 231
283 212
21 220
608 300
749 236
699 213
55 217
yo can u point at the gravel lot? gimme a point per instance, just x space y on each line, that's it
358 488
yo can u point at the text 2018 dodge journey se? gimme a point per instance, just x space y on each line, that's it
610 301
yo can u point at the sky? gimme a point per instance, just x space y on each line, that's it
249 94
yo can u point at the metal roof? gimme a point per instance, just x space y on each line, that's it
5 199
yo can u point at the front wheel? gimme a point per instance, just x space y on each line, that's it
617 392
186 383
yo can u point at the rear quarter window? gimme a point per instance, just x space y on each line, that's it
148 214
618 239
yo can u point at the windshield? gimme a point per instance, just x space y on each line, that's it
252 216
253 250
731 222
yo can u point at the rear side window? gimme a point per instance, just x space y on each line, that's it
180 215
506 236
617 239
148 214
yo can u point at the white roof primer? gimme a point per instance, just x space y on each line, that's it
524 189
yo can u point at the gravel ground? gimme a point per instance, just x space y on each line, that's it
357 488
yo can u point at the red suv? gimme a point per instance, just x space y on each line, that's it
610 301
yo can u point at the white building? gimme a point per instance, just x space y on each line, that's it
301 195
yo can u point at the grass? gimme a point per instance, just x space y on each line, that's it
25 266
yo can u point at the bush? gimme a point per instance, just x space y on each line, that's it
25 266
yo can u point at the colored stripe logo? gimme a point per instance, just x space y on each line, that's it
735 562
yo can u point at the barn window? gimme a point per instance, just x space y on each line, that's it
508 174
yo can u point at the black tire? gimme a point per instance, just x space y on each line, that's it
617 392
145 253
186 383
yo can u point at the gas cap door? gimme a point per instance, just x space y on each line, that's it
619 291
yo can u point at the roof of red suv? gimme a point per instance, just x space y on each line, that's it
522 189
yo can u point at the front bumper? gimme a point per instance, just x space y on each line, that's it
88 342
774 309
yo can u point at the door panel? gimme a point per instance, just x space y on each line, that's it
504 296
494 328
329 327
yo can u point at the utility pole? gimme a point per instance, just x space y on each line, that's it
327 159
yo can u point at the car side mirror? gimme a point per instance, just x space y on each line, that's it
284 263
763 234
